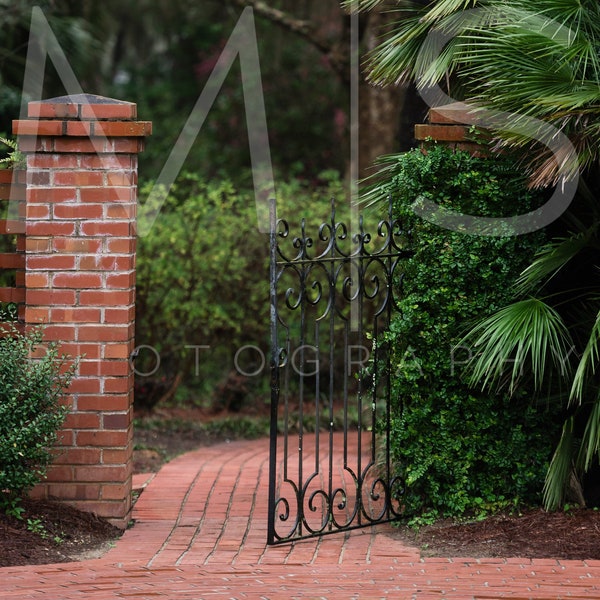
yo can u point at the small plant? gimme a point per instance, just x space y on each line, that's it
12 508
36 526
15 159
31 412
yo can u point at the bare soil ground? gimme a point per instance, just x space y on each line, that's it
50 532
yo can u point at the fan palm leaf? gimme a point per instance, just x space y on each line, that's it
573 455
550 260
590 441
529 335
561 468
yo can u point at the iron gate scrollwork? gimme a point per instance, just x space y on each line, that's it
332 298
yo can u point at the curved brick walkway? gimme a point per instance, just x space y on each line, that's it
201 530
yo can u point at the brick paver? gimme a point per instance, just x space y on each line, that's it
200 533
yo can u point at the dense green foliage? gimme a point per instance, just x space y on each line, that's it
538 61
10 158
31 411
203 281
458 450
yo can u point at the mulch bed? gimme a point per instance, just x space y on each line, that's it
64 534
535 533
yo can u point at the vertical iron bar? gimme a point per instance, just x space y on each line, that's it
331 387
305 270
275 352
388 357
354 131
359 399
318 383
347 374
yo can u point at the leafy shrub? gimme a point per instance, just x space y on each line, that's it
31 412
203 287
9 312
14 158
458 450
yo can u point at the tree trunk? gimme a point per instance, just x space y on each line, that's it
379 120
387 115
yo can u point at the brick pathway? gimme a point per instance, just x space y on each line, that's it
200 533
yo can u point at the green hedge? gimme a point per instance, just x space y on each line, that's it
459 450
203 280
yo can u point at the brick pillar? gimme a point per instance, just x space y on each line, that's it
80 282
447 126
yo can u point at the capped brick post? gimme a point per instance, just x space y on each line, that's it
80 233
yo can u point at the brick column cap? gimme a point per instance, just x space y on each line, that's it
86 128
454 113
80 115
83 107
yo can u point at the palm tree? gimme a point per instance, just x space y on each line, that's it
530 58
539 62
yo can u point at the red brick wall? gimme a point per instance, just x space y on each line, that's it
80 232
447 126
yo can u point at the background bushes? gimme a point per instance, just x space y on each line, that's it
203 280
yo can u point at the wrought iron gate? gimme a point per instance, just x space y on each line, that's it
332 296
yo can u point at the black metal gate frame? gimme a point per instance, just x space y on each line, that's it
362 276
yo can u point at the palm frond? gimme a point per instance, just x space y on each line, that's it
550 260
529 335
590 441
376 188
561 469
424 47
395 59
528 50
587 364
361 5
444 8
